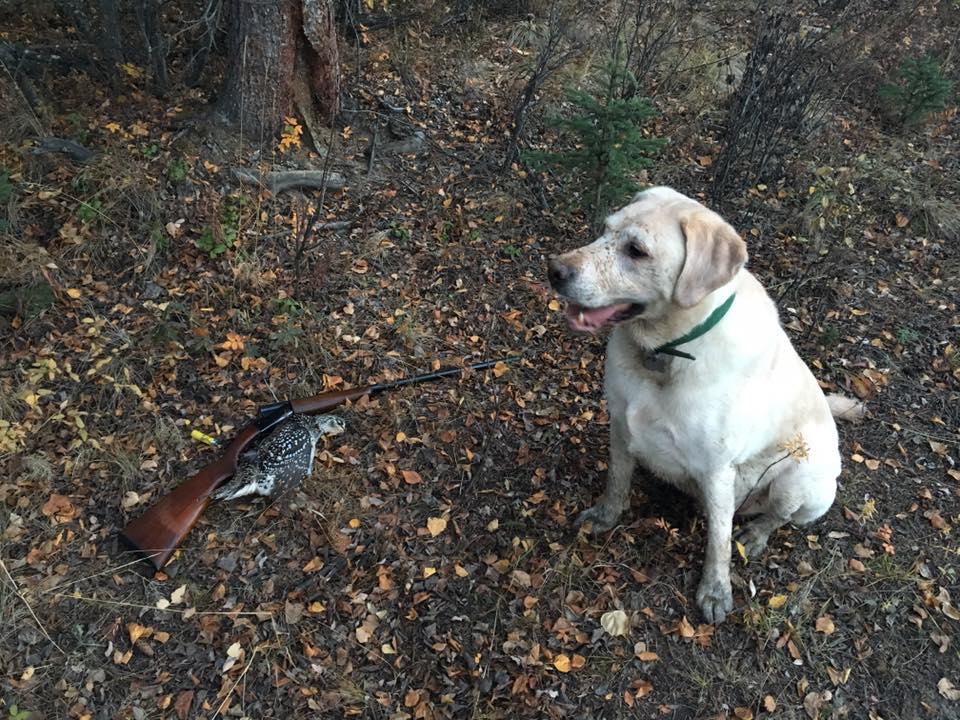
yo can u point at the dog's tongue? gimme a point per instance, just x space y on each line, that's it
591 319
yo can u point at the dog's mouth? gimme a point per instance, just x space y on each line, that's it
590 320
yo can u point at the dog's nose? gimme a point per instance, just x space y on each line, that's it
559 273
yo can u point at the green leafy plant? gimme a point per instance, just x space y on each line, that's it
87 212
217 240
609 145
177 170
922 89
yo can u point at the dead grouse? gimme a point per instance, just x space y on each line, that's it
283 460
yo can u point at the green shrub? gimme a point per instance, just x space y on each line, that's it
922 89
608 142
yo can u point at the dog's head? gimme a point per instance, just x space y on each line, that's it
663 250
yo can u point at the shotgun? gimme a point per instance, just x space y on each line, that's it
159 531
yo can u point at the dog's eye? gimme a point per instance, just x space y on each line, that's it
635 251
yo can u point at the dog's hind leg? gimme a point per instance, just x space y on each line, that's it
800 497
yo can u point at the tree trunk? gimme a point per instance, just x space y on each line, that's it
272 46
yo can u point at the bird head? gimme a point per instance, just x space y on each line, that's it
328 424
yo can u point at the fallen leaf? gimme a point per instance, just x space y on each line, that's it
59 509
838 677
947 689
500 369
777 601
684 628
616 622
825 625
436 525
562 663
814 701
181 705
411 477
642 688
176 597
137 631
234 651
743 713
769 704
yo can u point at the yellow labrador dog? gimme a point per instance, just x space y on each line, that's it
703 386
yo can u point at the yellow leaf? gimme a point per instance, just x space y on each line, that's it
234 650
777 601
354 523
74 293
741 550
387 649
769 704
562 663
428 571
138 631
436 525
553 305
500 369
825 625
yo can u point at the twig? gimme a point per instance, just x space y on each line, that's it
308 230
16 590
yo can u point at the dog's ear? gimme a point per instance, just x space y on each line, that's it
715 253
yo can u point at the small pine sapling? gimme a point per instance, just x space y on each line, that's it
609 144
921 91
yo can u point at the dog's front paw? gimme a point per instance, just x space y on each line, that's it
715 599
601 516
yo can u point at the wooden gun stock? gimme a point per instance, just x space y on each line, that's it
159 531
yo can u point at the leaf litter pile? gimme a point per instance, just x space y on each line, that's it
430 568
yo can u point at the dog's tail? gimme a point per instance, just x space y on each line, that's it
846 408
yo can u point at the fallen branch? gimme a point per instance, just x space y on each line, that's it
279 180
77 152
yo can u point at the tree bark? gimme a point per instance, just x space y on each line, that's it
272 45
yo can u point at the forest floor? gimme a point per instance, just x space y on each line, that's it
430 567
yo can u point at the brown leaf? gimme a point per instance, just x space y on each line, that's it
938 447
562 663
181 705
769 704
59 509
642 687
743 713
684 628
292 612
411 477
863 387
